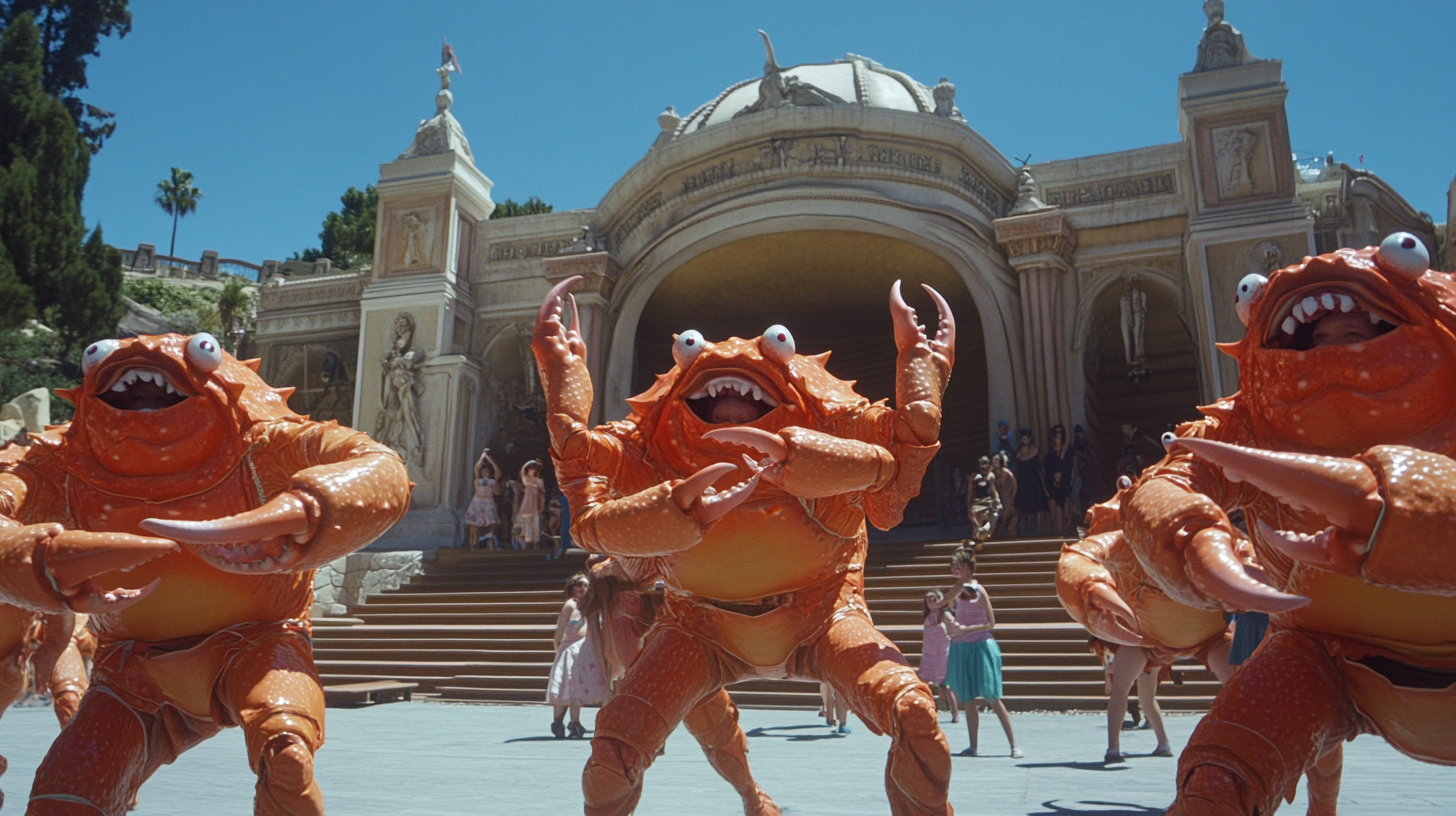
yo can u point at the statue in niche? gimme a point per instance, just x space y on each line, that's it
398 425
337 400
778 91
1266 257
1222 45
1134 310
416 239
1233 155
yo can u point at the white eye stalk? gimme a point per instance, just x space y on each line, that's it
687 346
96 352
1251 288
778 343
204 352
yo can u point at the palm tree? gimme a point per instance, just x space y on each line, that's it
177 197
232 304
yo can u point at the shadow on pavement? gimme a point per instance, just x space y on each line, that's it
1075 766
769 731
1094 809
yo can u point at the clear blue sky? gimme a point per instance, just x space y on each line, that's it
278 107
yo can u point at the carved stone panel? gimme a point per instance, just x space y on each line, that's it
1243 158
416 233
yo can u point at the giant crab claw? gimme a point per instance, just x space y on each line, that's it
695 494
262 540
1343 491
1109 617
561 359
1216 569
923 368
771 445
71 559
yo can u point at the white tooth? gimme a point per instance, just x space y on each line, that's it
144 376
742 387
770 401
1310 305
1374 318
757 393
1346 302
1299 312
1328 301
713 389
129 378
1289 325
120 386
170 389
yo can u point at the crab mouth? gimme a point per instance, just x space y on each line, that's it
730 399
143 389
1329 315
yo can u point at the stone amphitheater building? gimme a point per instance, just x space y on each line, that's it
797 197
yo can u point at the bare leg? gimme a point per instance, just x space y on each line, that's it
973 722
1147 687
1005 717
558 713
950 700
1218 663
1127 664
472 535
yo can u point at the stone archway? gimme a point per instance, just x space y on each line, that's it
830 288
1169 396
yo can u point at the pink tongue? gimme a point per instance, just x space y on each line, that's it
734 408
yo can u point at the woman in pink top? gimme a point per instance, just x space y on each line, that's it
935 649
974 670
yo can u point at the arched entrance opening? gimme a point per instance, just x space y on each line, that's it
1167 396
831 289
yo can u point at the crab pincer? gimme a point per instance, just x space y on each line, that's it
695 494
262 540
561 359
50 569
1088 592
923 365
1379 504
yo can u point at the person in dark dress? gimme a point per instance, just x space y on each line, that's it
1058 468
983 503
1031 496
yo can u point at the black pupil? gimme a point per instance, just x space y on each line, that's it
1408 243
689 341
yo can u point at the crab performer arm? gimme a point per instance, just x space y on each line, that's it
1088 590
1380 504
1174 520
331 491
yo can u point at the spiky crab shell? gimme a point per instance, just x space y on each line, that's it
200 438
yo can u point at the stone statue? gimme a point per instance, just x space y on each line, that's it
1134 309
1027 200
667 122
415 239
441 133
778 91
1222 45
398 425
1266 258
945 106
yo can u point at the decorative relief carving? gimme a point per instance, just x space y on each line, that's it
708 175
398 424
1036 234
283 296
521 250
1163 182
417 229
1234 153
308 322
639 214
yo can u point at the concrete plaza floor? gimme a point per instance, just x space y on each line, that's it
433 759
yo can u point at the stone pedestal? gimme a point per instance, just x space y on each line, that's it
1039 246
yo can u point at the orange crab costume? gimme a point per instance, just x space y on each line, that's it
763 559
1101 584
173 440
1337 448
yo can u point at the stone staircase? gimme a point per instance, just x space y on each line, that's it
476 626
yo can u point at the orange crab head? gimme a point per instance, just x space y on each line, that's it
1349 349
167 404
761 383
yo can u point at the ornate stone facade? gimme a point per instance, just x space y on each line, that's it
1090 291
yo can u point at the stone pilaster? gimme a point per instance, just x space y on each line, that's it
1039 245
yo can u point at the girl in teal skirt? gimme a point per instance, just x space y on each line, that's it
974 670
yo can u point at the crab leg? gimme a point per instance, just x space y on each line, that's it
561 359
1392 509
810 464
923 367
669 517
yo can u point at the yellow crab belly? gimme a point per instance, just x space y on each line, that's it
763 549
1421 627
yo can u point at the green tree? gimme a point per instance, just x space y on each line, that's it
43 166
347 239
510 209
71 31
88 303
177 197
232 304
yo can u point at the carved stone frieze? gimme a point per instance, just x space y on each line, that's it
1036 234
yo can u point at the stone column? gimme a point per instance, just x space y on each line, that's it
1039 245
599 275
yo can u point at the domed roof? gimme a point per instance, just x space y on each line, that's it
854 80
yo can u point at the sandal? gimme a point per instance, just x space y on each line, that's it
558 730
576 731
1016 753
1112 757
1163 750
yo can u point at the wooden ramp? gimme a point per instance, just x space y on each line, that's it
476 626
